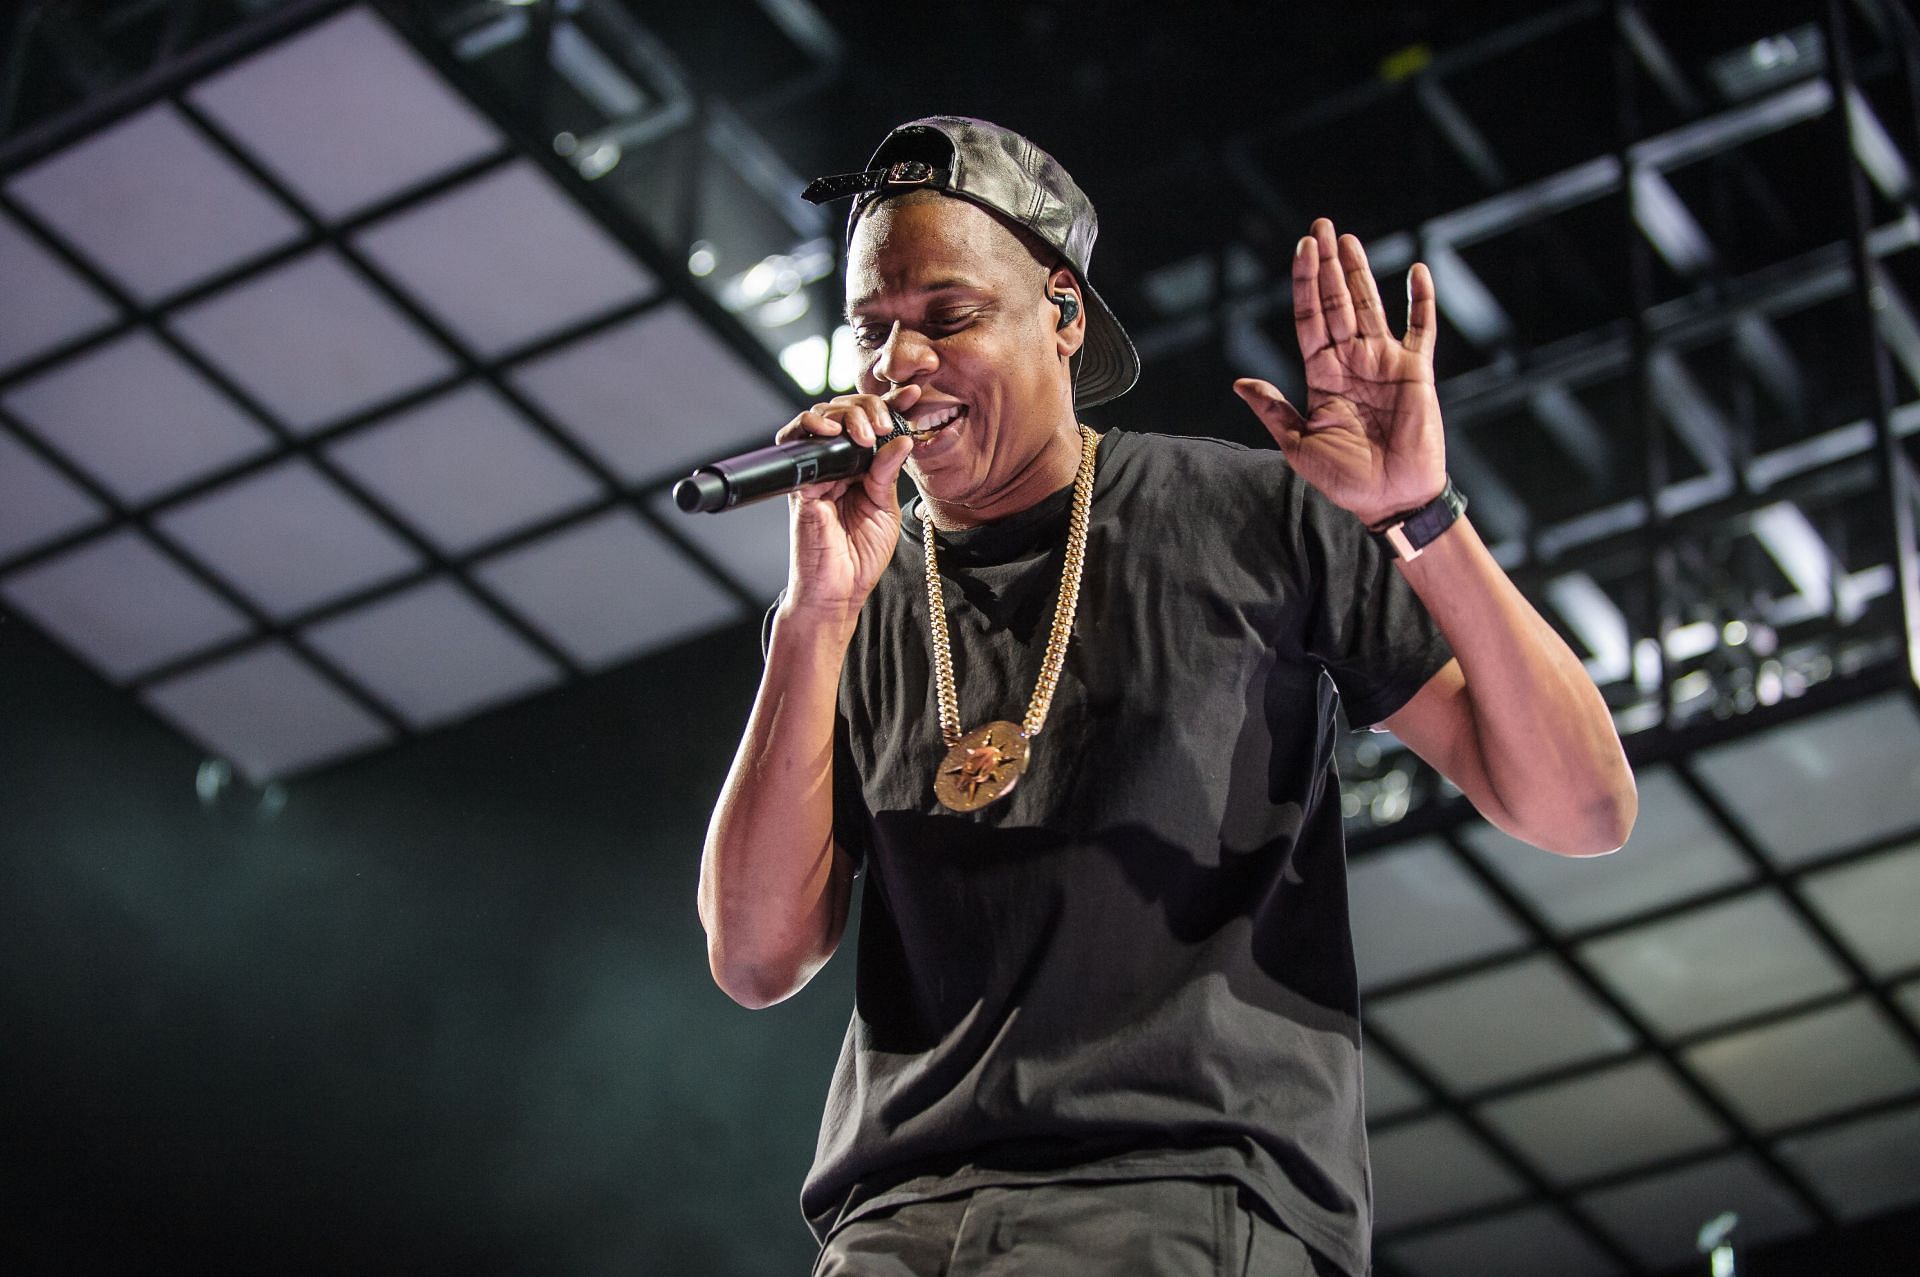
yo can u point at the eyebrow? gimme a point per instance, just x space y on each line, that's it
928 289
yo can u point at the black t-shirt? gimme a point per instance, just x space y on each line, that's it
1139 963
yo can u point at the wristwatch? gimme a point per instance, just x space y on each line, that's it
1407 534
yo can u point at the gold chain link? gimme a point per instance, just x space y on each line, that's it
1056 655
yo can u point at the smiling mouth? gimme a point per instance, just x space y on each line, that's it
929 424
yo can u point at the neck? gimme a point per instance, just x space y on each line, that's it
1048 471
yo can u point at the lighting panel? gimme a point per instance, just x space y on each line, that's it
465 468
1613 1119
1715 964
345 114
1874 906
1864 1167
750 541
1389 1091
1676 851
122 605
655 395
1863 760
1809 1066
1658 1218
1531 1240
1431 1168
312 341
154 205
505 259
1496 1026
267 711
433 654
47 303
135 417
288 538
37 502
607 589
1415 909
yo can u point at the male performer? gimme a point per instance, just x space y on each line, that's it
1076 726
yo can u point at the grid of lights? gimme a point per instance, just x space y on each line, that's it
316 432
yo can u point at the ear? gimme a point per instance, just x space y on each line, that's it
1069 336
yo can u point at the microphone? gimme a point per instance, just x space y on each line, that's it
771 472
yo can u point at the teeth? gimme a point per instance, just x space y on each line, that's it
938 419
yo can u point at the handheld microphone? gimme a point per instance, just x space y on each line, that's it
771 472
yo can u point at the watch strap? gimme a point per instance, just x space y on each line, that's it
1407 534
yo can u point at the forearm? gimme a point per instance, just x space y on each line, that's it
771 898
1549 762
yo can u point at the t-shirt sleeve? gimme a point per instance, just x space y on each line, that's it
849 804
1365 625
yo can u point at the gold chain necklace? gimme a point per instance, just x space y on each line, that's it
986 763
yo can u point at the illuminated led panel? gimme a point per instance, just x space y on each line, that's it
37 502
1864 1167
749 542
267 712
1431 1168
1658 1218
288 538
1811 1065
345 114
505 258
1415 908
656 395
122 605
1627 1115
136 418
434 654
154 204
609 589
46 303
1389 1091
464 468
311 341
1874 905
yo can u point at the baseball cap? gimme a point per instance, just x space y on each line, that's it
1001 170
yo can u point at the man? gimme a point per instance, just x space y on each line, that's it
1079 735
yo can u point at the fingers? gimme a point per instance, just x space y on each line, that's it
1309 323
882 478
1370 313
1421 322
1282 420
1335 301
862 418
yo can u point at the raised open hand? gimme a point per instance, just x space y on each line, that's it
1371 438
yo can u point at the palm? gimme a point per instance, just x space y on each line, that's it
1371 438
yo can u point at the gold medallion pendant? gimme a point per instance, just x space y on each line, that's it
984 764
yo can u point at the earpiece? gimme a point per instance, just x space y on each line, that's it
1069 308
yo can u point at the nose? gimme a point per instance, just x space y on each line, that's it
904 356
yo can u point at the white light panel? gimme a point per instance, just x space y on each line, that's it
464 468
433 654
345 114
267 711
1389 1091
312 342
608 589
1530 1242
37 502
1626 1115
1875 906
122 605
1864 1167
288 538
46 303
656 395
136 418
1808 1066
1481 1030
1713 965
1431 1168
1863 760
1659 1218
1676 851
1415 908
750 542
504 259
154 205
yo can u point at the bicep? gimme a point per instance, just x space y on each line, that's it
1437 723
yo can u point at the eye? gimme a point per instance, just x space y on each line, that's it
870 336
